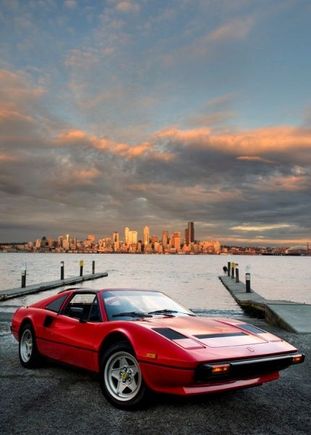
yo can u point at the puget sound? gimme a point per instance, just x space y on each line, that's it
191 280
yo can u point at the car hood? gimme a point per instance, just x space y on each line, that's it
211 332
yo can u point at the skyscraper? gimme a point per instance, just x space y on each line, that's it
175 240
132 237
126 235
187 236
146 235
116 241
165 239
190 232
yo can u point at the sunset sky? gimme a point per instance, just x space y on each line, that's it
156 112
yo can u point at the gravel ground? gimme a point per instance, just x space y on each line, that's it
60 400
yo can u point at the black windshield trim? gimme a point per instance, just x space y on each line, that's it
132 314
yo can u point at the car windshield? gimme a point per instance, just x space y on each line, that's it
133 304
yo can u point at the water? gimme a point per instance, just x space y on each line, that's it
191 280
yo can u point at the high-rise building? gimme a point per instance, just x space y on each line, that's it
91 237
165 239
126 235
132 237
146 235
187 236
175 241
116 241
154 238
190 232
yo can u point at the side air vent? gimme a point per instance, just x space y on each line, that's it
169 333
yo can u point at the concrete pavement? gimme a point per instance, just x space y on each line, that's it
56 400
291 316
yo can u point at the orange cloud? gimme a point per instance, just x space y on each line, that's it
9 115
249 142
6 157
72 137
249 145
197 134
85 175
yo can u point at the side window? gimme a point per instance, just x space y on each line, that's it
94 315
83 306
56 305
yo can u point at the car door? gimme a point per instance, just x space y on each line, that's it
74 334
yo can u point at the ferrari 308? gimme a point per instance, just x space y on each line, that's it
140 341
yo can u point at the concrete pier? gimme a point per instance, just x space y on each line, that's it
36 288
291 316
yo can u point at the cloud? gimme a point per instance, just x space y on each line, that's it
254 159
17 91
70 4
206 44
76 137
250 142
22 114
7 157
286 183
236 181
127 6
260 228
82 58
235 29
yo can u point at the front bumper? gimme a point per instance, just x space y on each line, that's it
243 373
246 368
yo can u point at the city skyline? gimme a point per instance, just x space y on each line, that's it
156 113
144 241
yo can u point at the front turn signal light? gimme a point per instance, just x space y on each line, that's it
151 355
297 359
220 369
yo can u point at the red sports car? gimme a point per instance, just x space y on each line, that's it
141 340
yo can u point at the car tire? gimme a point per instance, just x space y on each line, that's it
27 349
121 378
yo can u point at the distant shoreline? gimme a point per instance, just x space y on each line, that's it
157 253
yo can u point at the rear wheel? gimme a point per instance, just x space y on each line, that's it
28 352
121 378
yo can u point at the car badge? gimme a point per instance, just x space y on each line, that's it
251 349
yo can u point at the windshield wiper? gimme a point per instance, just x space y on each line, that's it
167 312
164 311
132 314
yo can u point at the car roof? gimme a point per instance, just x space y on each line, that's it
80 290
91 290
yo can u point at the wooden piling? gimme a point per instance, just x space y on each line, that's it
248 282
62 270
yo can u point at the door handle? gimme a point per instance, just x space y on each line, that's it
48 321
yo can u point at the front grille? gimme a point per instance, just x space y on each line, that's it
243 369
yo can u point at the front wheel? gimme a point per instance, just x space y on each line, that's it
28 352
121 379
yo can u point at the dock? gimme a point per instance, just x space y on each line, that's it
291 316
36 288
